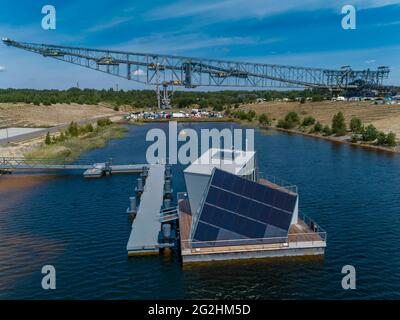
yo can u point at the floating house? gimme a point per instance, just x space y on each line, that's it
229 212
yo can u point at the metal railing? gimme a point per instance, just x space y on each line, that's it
16 162
168 214
181 195
317 235
313 225
281 184
292 240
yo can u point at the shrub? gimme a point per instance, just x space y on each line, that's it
73 129
381 138
264 119
327 131
282 124
104 122
370 133
338 124
291 120
318 127
308 121
251 115
89 127
354 138
391 139
356 125
292 117
318 98
47 140
61 137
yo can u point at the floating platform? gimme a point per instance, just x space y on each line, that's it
144 237
302 240
101 169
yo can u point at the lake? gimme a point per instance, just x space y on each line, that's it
80 226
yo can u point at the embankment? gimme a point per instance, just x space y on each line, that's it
73 147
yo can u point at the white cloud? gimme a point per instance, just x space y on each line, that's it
2 68
174 43
240 9
111 24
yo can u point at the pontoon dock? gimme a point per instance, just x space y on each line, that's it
144 238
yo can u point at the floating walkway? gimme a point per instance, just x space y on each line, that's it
144 238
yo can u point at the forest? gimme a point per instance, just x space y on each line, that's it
147 98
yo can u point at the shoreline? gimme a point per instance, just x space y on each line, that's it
333 139
72 148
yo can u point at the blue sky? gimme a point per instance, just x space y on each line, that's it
304 33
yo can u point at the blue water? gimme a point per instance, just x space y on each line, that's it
81 228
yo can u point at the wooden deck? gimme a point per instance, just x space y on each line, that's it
275 186
185 222
301 232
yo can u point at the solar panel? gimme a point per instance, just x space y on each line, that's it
243 209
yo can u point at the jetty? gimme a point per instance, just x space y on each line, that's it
146 226
151 228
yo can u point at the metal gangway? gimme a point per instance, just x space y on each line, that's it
92 169
15 163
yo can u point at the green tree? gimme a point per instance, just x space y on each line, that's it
327 131
291 120
73 129
61 138
381 138
251 115
263 119
318 127
356 125
89 127
47 140
292 117
391 139
370 133
338 124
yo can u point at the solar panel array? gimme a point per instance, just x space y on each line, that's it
244 211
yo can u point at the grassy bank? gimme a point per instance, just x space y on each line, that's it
355 133
74 146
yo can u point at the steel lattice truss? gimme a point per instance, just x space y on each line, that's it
158 69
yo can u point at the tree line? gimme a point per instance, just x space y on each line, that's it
147 98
